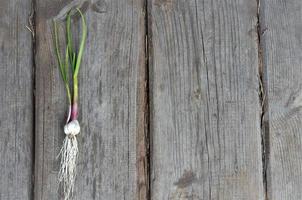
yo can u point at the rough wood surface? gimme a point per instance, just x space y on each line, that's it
282 44
111 102
205 111
16 106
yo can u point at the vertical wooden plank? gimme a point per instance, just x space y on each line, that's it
282 44
205 111
16 112
111 112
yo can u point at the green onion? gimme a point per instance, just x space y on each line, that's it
72 59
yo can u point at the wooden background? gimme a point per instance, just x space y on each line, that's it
179 100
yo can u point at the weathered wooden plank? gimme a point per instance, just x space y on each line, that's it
205 111
111 93
282 44
16 115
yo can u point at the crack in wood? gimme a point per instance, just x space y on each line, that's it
263 103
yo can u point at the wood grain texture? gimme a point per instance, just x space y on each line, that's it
205 111
282 44
112 96
16 114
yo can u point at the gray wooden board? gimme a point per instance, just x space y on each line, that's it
205 111
111 114
16 114
282 52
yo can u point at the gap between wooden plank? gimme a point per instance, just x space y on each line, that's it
32 22
148 45
143 143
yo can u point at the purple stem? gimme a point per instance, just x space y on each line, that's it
74 111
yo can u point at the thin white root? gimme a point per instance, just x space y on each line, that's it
68 154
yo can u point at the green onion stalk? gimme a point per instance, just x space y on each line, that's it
69 150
